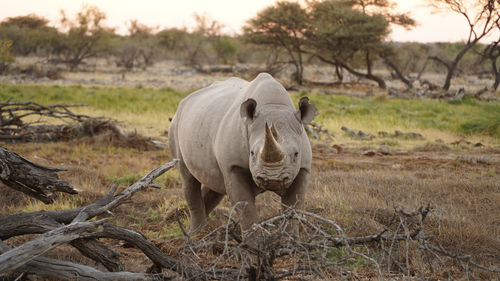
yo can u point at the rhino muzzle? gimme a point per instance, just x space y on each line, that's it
277 185
271 154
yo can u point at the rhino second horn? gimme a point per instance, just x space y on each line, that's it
271 153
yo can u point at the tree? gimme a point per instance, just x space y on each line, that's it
211 30
492 53
85 35
171 39
283 25
143 36
341 34
405 58
385 8
387 52
482 16
5 56
29 34
138 48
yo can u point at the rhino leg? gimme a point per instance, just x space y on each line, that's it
240 190
192 192
294 197
211 199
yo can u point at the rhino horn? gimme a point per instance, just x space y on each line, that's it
271 152
276 136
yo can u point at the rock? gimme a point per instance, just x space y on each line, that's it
461 142
384 150
369 153
348 131
363 136
338 148
409 135
382 134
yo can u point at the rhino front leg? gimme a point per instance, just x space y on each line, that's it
294 197
240 190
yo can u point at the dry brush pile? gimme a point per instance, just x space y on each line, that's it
34 122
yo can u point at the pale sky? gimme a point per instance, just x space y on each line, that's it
233 14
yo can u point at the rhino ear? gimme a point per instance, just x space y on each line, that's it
306 111
247 110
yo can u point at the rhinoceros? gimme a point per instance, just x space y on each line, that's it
240 138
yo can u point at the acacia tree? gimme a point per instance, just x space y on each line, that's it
340 35
283 25
482 16
387 52
85 34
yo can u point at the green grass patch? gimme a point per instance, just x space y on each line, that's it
465 117
145 107
134 100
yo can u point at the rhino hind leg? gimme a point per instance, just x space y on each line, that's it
192 192
211 199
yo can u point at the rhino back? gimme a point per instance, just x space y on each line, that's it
266 90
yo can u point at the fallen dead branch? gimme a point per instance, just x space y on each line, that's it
26 122
58 231
52 268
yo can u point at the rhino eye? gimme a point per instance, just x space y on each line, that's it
296 154
252 153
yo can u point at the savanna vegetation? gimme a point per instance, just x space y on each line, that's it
375 153
454 166
347 35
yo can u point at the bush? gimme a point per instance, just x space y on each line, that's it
6 57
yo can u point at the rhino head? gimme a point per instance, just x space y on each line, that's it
276 143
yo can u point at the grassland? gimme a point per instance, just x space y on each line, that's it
148 109
357 191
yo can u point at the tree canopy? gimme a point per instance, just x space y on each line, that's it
283 25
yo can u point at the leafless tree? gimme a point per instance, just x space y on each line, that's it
492 53
482 16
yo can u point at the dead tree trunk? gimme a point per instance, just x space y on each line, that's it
33 179
398 72
369 75
52 268
17 257
492 52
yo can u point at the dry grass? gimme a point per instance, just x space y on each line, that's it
357 191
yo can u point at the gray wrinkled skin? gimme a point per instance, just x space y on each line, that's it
219 132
